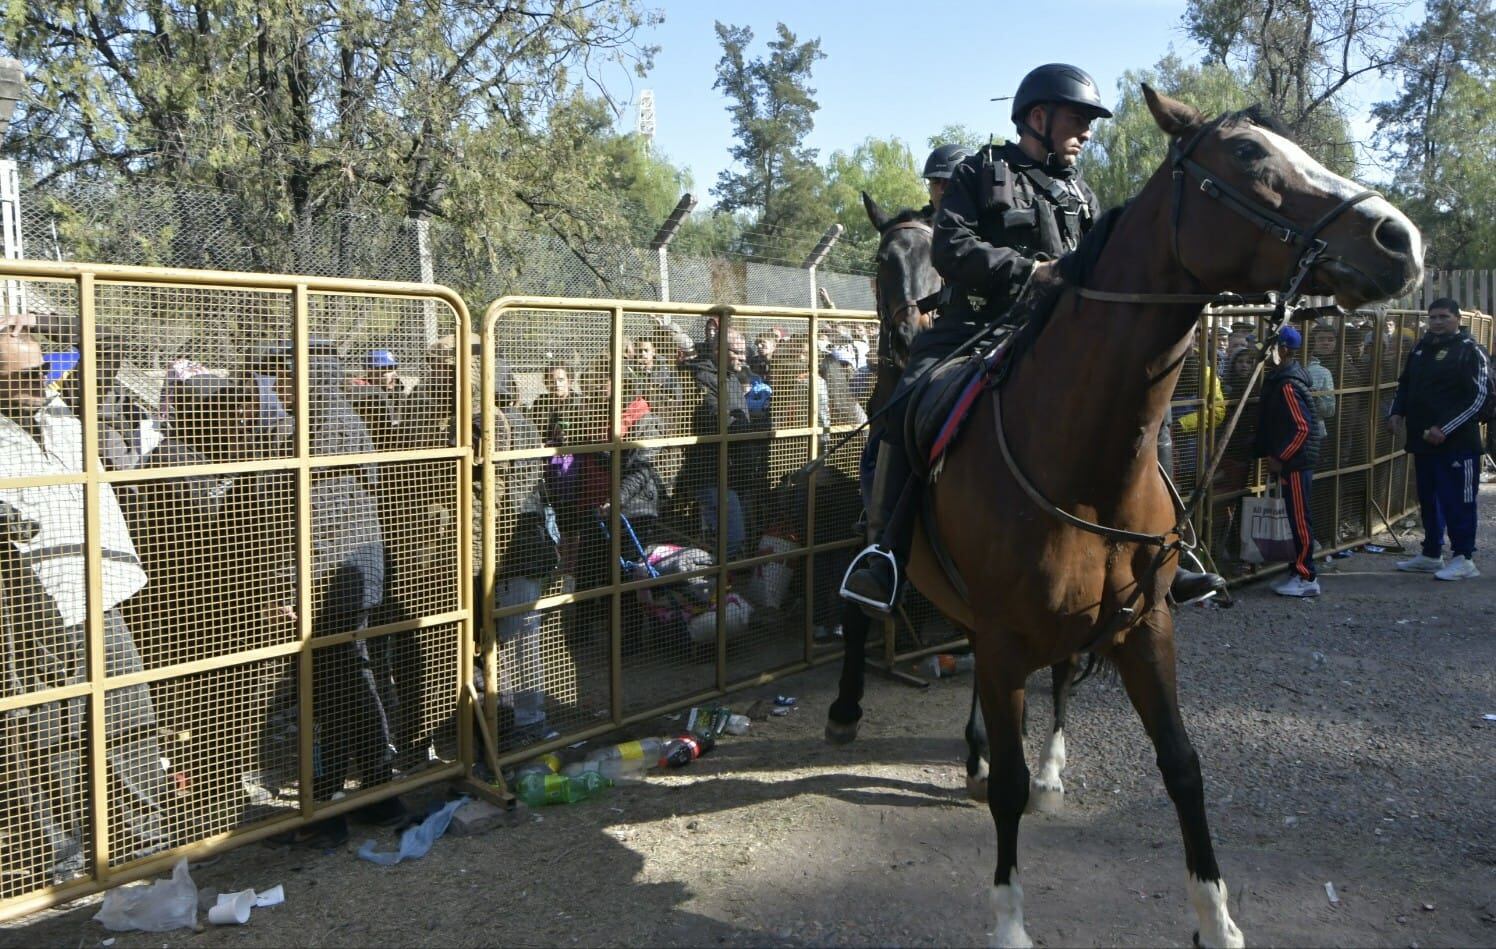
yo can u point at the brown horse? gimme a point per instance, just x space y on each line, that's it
1237 206
905 285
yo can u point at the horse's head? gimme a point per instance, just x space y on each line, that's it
904 276
1251 210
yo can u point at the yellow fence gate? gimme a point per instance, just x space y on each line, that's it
230 578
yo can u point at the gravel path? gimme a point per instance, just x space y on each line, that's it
1342 740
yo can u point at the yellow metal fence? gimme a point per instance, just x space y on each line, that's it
275 528
232 585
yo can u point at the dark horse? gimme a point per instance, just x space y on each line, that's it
905 277
1236 206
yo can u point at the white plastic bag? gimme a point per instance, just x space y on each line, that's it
161 907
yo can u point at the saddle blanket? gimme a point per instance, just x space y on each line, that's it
948 398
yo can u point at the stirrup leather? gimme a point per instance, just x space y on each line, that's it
872 550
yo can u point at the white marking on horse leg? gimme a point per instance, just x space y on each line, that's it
1216 928
1048 792
1007 902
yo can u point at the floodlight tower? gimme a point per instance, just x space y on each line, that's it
646 127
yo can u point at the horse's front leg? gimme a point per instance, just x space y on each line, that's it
845 714
1048 793
1146 662
1008 791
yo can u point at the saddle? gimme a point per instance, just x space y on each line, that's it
940 403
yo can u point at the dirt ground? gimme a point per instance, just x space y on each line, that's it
1342 741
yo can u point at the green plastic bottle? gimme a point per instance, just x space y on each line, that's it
537 789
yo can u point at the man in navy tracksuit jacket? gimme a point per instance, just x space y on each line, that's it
1286 437
1439 397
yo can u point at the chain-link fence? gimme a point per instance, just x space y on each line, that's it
153 224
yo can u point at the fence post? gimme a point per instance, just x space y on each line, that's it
816 256
661 242
427 273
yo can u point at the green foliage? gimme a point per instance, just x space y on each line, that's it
959 135
1126 150
1299 57
454 108
887 170
1438 130
1452 198
777 186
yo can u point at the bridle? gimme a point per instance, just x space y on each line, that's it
1307 241
908 306
1181 536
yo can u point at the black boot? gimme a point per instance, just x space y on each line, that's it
874 578
1189 586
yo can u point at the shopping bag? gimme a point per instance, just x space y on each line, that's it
1266 535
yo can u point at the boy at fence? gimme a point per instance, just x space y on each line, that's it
1288 438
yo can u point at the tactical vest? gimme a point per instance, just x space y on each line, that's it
1027 210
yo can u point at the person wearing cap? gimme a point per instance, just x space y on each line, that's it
44 608
1287 437
1440 394
381 370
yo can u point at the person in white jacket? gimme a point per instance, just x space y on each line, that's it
44 620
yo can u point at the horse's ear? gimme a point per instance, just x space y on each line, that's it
874 213
1174 117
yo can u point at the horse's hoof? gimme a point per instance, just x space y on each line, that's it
976 788
840 734
1046 800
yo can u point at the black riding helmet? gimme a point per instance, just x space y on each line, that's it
1058 83
943 161
1053 85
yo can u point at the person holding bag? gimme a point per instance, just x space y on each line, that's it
1288 438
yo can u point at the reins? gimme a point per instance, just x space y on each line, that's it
1311 248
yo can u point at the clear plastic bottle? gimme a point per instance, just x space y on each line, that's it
737 725
616 770
645 749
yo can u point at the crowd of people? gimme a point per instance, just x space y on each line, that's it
204 565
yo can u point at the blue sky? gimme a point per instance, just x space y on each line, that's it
901 69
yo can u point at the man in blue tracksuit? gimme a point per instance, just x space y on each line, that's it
1439 397
1288 438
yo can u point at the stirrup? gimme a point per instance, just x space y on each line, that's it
1197 566
872 550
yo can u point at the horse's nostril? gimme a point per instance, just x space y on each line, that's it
1393 235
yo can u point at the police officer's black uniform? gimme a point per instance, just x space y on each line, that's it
1001 215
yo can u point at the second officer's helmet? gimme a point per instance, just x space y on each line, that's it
943 161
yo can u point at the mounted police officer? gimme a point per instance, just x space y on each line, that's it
1005 217
939 168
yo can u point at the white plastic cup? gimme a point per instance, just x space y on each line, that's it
232 909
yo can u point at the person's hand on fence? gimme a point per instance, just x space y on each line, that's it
1393 424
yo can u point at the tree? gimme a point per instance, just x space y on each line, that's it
960 135
885 169
776 188
1300 55
1438 130
305 110
1128 148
